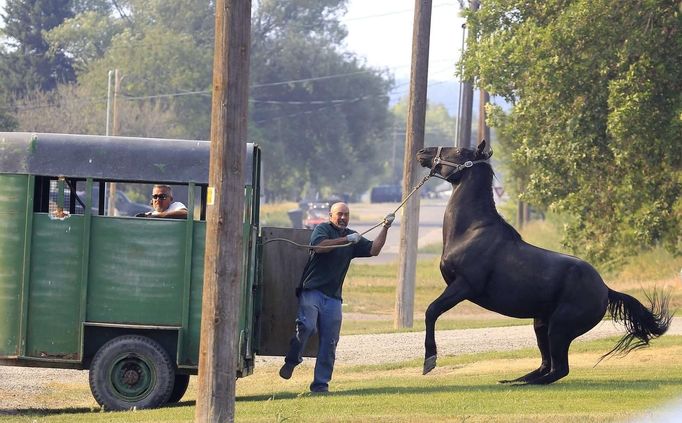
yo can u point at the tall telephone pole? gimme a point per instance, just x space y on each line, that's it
414 141
225 208
467 95
115 131
483 128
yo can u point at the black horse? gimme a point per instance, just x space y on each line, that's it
485 261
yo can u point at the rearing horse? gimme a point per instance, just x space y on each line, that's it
485 261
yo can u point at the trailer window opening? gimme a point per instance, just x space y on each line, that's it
129 198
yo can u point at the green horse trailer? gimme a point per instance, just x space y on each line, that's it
84 285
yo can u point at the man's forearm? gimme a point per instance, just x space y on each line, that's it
379 242
175 214
320 248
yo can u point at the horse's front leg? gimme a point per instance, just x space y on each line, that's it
453 294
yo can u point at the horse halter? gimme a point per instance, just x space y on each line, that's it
457 167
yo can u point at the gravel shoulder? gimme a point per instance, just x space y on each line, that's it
396 347
24 387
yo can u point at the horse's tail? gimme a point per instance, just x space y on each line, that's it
642 324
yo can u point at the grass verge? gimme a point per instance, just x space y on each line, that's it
462 388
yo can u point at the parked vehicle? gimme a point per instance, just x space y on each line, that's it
316 213
118 295
123 205
386 194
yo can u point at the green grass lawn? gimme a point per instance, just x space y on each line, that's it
461 389
370 290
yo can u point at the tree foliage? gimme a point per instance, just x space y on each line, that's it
319 113
86 37
596 125
7 120
29 63
62 111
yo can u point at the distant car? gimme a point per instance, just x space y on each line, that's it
386 194
315 214
124 206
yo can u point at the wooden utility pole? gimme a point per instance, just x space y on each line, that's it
414 141
115 131
467 95
225 209
483 128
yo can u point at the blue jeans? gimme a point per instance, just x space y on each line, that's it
317 311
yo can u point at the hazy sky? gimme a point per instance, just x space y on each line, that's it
381 31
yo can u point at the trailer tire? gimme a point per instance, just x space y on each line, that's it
131 371
179 388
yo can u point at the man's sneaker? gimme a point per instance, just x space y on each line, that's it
286 371
319 389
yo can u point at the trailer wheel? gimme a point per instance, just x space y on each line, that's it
179 388
131 371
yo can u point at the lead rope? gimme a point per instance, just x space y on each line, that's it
419 185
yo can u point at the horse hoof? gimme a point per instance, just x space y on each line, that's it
429 364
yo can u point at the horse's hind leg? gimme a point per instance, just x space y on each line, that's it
567 323
558 345
452 295
541 333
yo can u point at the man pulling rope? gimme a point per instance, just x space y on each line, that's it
319 295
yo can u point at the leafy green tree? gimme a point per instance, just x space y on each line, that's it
28 63
162 54
62 110
162 66
195 18
319 113
595 127
7 119
103 7
86 37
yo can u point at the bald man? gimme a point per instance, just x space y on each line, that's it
335 245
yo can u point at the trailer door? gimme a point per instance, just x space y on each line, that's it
282 267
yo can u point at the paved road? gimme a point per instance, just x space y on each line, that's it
430 225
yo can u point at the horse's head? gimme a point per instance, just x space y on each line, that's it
447 162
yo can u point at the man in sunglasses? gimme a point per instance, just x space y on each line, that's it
163 204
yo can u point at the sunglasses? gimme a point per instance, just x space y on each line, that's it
159 196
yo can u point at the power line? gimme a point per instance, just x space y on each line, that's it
396 12
317 78
151 97
28 106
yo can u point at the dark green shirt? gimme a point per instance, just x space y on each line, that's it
326 271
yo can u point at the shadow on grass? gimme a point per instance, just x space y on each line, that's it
577 385
585 385
43 412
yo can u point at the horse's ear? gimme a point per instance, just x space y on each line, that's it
480 150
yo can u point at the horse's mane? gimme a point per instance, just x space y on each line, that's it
489 194
510 229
